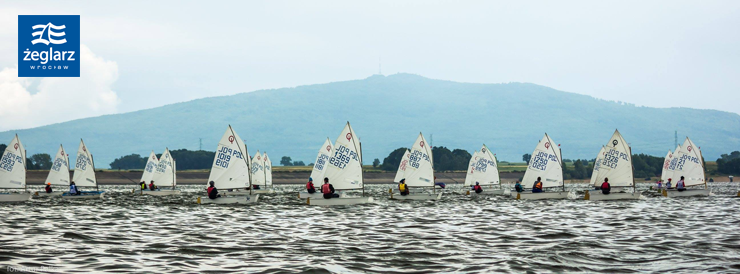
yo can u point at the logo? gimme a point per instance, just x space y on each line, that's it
421 143
547 145
615 142
349 136
231 139
84 148
15 146
62 152
689 148
48 46
483 150
328 148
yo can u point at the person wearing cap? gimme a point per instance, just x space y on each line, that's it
48 187
73 189
327 189
212 191
310 187
668 184
403 188
477 188
680 185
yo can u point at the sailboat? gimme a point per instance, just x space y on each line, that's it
318 171
13 172
690 165
230 170
419 172
483 170
597 164
616 165
547 164
402 166
148 174
344 171
259 175
268 171
165 175
84 175
58 175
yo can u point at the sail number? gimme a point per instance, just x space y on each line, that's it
612 157
82 161
9 160
416 157
541 160
223 156
321 162
683 160
58 162
342 156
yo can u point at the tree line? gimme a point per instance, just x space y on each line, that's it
444 159
39 161
729 163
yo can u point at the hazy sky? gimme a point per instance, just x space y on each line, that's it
145 54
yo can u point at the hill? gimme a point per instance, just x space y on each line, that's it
387 112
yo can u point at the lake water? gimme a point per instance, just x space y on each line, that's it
125 233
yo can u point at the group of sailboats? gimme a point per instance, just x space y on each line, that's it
13 168
418 173
162 173
686 164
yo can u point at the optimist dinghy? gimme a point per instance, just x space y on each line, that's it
344 171
165 175
84 175
483 170
13 172
58 175
615 164
547 164
259 175
318 171
230 171
690 165
419 173
148 174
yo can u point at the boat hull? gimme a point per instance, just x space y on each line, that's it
246 192
540 195
598 196
15 197
243 199
162 192
489 192
43 194
263 191
416 196
339 201
670 193
316 195
85 195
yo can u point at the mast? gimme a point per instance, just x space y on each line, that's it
25 164
92 161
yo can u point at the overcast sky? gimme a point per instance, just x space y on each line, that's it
145 54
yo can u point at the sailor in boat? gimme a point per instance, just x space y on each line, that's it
518 187
477 188
328 190
212 191
255 187
403 188
537 187
668 184
143 185
48 187
680 186
310 187
152 186
660 184
606 187
73 189
438 184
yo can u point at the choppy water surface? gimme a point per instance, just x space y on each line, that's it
125 233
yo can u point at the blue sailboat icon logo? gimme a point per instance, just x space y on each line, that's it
49 33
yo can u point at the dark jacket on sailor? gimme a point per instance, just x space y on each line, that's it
48 188
212 192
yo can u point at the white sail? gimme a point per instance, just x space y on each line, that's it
617 163
164 174
690 165
322 161
597 164
402 166
151 165
230 168
420 170
672 167
545 163
13 165
665 174
84 174
482 168
345 164
258 169
59 172
268 169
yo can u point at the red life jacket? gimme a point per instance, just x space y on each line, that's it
476 187
309 185
325 189
209 189
605 185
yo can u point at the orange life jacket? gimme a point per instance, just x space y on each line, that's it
538 185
